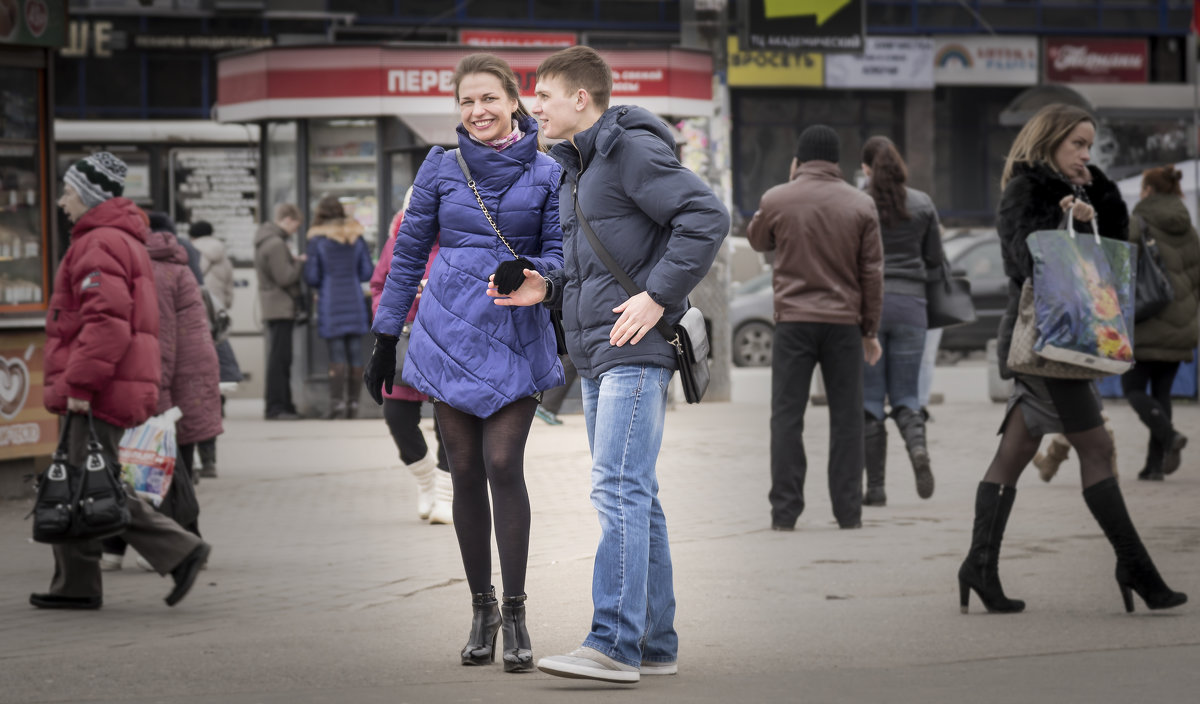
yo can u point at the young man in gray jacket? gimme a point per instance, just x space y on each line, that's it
664 226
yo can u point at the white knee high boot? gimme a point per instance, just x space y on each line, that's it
424 470
443 502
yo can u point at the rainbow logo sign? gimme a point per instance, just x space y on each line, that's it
951 53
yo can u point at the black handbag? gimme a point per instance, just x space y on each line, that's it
1154 291
948 299
689 336
77 504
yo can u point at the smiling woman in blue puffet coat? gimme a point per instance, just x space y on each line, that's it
483 364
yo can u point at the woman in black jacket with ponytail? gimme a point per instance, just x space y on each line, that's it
1047 173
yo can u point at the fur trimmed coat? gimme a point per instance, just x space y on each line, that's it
1031 203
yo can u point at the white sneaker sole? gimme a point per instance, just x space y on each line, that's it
657 669
586 672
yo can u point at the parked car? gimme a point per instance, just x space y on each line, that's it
975 254
752 319
971 253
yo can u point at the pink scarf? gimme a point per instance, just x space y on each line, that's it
508 140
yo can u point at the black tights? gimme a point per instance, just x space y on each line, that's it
487 452
1018 446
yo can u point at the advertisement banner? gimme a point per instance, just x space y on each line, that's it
499 37
782 67
1080 60
802 25
992 61
27 429
33 22
891 63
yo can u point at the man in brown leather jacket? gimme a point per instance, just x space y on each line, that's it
828 295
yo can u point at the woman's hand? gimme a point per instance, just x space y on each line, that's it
1081 210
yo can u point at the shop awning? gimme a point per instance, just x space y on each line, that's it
414 83
1170 101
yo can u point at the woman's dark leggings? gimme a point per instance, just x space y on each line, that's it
1154 408
487 452
404 422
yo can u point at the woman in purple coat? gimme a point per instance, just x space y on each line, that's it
484 364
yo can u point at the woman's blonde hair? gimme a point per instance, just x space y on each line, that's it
1042 135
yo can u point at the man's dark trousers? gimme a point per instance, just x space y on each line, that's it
797 349
279 368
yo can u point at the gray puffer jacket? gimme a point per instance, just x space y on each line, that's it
659 220
278 273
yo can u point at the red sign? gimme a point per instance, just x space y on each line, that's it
479 37
1097 60
346 81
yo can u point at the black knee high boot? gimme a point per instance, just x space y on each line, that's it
485 624
980 571
518 653
912 427
1135 569
875 456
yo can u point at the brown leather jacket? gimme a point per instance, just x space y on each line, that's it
828 252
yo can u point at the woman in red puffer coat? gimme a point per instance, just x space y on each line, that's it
402 408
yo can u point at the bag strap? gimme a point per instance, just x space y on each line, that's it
615 269
462 164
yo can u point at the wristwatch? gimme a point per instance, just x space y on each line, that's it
549 288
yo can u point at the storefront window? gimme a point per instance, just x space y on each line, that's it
342 159
281 166
22 230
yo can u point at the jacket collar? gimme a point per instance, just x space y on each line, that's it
495 171
826 170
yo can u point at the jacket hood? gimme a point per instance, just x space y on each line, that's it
493 171
343 231
1166 212
602 137
165 247
119 213
268 230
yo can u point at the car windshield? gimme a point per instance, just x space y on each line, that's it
753 285
958 242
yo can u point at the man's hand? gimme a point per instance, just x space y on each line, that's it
872 351
381 369
78 405
639 315
532 292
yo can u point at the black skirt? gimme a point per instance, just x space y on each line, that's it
1055 405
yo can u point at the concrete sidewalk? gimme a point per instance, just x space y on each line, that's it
324 586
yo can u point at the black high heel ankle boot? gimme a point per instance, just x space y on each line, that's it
1135 570
980 571
485 624
518 653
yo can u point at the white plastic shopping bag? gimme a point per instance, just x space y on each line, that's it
148 455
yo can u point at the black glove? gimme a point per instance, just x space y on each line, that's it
381 370
510 274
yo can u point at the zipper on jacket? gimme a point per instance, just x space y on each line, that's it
578 271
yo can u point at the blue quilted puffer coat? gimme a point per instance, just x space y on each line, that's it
338 262
465 350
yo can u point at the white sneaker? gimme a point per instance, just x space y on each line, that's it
110 562
659 668
589 664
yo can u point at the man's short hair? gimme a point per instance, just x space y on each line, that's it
286 210
580 67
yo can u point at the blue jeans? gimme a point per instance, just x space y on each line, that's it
933 340
633 596
346 349
897 373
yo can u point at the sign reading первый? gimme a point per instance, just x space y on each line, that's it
814 25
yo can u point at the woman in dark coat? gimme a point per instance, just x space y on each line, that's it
912 245
1047 173
1161 342
338 263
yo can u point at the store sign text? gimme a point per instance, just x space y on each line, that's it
420 81
1097 60
84 38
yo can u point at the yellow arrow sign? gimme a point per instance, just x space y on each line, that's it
823 9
